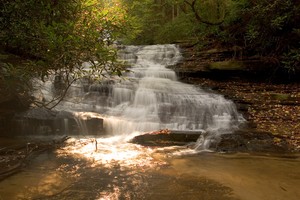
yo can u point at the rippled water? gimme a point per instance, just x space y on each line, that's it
116 169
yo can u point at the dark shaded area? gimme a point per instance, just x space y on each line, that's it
253 142
15 153
230 63
44 122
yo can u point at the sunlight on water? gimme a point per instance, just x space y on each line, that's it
110 151
251 177
112 168
115 195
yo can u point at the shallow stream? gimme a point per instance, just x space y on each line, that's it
116 169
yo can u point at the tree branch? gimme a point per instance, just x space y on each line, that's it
197 15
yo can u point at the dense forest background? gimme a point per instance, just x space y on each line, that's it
40 37
268 29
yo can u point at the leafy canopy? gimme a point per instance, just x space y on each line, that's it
58 36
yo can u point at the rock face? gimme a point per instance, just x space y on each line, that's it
45 122
226 64
94 125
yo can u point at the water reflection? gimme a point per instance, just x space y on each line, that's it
110 151
251 177
42 179
112 168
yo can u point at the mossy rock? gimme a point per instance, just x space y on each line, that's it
227 66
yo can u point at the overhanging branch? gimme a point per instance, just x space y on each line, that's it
197 15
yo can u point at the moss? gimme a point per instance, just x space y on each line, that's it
226 65
212 51
280 97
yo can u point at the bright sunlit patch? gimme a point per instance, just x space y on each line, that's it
87 115
110 151
110 195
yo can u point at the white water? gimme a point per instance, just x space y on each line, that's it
150 98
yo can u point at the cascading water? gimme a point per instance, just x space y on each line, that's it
150 98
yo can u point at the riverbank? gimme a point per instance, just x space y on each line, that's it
273 108
120 170
268 97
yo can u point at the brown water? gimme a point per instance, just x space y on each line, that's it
114 169
250 177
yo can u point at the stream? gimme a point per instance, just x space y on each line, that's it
106 165
122 170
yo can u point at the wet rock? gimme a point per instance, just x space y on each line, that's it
162 138
252 141
35 121
94 125
45 122
240 141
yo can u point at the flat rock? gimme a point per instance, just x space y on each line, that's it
240 141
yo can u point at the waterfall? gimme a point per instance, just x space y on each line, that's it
150 98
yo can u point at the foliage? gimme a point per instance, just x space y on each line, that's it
59 35
168 21
269 29
177 30
291 61
211 12
270 25
145 20
15 83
